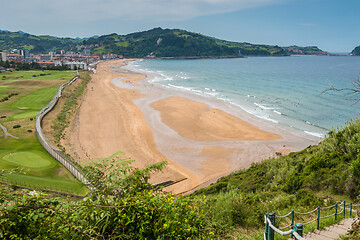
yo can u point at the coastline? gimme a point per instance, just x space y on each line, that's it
202 158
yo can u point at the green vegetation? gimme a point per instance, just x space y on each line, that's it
40 170
176 43
356 51
316 176
31 66
126 207
155 42
70 98
310 50
37 44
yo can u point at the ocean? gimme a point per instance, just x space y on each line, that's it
286 91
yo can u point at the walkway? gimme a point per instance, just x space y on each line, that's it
6 132
332 232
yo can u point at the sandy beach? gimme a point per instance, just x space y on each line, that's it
201 138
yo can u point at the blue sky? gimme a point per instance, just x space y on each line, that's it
332 25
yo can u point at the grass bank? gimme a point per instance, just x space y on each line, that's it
319 175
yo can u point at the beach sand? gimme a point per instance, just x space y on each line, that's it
202 139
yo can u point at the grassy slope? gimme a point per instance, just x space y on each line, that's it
317 176
27 153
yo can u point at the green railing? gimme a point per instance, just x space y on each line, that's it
296 229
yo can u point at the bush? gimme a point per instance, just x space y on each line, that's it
17 126
124 207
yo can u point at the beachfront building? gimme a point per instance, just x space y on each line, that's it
76 65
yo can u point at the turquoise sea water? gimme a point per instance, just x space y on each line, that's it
284 90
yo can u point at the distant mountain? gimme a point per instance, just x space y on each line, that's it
156 42
356 51
309 50
160 42
36 44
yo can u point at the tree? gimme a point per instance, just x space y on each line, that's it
352 94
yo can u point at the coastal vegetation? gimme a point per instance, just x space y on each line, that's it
30 66
157 42
30 91
67 106
127 207
160 42
35 44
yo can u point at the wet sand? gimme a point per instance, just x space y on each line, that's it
201 138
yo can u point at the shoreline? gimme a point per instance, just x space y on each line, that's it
244 108
214 158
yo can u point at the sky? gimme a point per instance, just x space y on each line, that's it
332 25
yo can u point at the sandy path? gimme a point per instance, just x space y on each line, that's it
122 111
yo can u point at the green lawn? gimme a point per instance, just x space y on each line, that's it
38 168
34 100
48 75
4 89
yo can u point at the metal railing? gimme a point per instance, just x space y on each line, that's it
296 230
50 148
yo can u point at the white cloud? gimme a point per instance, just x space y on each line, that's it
56 11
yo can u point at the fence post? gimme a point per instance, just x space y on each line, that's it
299 229
335 211
350 208
271 231
318 219
344 209
266 226
292 218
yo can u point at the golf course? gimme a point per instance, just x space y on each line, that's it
22 95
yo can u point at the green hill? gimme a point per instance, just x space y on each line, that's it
35 44
176 43
356 51
309 50
156 42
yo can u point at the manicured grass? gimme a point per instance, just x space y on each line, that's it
35 100
38 168
29 159
59 185
24 114
48 75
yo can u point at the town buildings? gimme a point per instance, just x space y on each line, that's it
75 60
